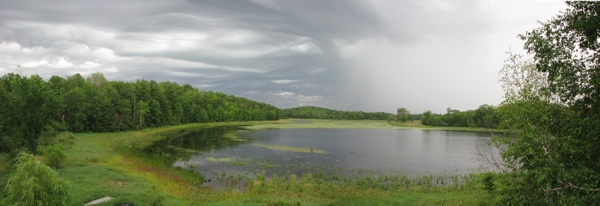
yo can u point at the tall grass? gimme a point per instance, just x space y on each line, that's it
382 190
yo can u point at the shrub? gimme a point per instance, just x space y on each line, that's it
54 155
487 180
33 183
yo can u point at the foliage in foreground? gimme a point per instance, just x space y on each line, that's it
553 107
33 183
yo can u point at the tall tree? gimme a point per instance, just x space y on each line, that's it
555 115
403 115
76 107
28 105
143 109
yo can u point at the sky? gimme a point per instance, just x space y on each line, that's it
368 55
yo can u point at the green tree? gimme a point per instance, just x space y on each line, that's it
33 183
485 116
27 105
403 115
97 80
143 109
427 118
124 105
553 106
75 109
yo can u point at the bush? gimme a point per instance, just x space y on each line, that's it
54 155
33 183
487 181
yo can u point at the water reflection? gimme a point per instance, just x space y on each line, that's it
292 151
186 144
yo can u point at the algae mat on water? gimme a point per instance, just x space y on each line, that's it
291 149
325 124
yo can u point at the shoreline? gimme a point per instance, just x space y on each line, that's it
357 124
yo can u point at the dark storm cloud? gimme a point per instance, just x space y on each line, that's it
241 47
342 54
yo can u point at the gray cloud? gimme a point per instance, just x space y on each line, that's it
351 54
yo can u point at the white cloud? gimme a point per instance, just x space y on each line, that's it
291 98
62 63
284 81
89 64
53 63
307 48
286 94
36 63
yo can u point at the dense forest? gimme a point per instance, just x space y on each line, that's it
29 106
311 112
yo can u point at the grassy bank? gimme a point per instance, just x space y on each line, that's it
112 164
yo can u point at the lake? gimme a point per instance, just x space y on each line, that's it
349 152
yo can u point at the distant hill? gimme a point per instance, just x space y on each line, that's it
312 112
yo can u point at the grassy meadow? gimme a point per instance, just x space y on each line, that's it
114 164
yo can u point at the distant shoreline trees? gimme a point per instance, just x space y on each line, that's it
312 112
485 116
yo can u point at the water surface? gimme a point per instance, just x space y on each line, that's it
339 151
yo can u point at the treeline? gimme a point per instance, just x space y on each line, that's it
30 105
311 112
485 116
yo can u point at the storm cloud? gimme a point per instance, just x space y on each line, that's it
350 54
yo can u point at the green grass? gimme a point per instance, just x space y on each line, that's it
420 198
112 164
96 168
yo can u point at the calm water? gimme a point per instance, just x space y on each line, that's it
347 151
